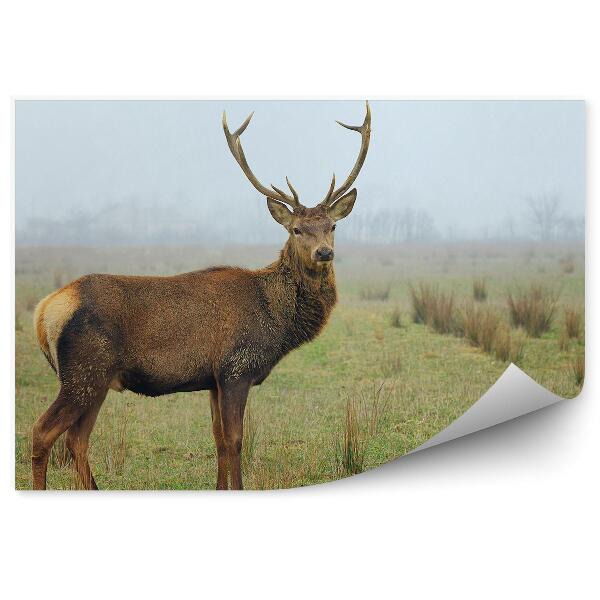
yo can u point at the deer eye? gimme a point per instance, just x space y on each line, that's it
333 227
297 231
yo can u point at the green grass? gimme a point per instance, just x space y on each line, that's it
298 413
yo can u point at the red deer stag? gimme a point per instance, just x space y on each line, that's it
221 329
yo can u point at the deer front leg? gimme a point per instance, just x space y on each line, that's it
232 402
217 428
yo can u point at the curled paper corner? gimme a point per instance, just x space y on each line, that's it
514 394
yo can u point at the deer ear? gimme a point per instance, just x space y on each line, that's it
280 212
342 207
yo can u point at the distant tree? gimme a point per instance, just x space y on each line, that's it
386 226
425 227
545 215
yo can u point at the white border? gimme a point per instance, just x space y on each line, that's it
509 512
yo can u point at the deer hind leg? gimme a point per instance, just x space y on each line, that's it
78 436
46 430
232 402
83 358
217 428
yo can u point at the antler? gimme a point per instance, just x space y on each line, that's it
235 145
365 132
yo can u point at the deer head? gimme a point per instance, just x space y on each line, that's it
311 229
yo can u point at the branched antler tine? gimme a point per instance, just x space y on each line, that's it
365 132
329 192
294 192
231 137
235 146
353 127
243 126
292 201
280 192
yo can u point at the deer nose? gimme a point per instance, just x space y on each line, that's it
324 253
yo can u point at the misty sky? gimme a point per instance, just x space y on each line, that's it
470 164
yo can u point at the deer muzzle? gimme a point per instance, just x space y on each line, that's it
324 254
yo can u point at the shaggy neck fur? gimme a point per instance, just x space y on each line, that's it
301 299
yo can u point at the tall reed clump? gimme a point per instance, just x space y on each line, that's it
533 308
380 294
432 307
350 450
509 346
517 346
480 290
363 417
577 367
396 318
420 298
573 322
442 312
479 325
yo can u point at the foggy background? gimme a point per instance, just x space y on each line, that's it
160 172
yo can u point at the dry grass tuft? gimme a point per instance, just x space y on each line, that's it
578 369
533 309
442 312
502 343
508 346
479 325
517 347
480 290
396 318
420 298
363 418
467 324
350 450
573 322
380 294
433 307
488 326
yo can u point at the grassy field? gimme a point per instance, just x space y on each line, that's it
372 387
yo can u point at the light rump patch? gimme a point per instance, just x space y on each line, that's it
50 317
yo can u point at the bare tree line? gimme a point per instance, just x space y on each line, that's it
550 222
135 222
387 226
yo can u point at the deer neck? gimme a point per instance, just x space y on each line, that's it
307 281
304 298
